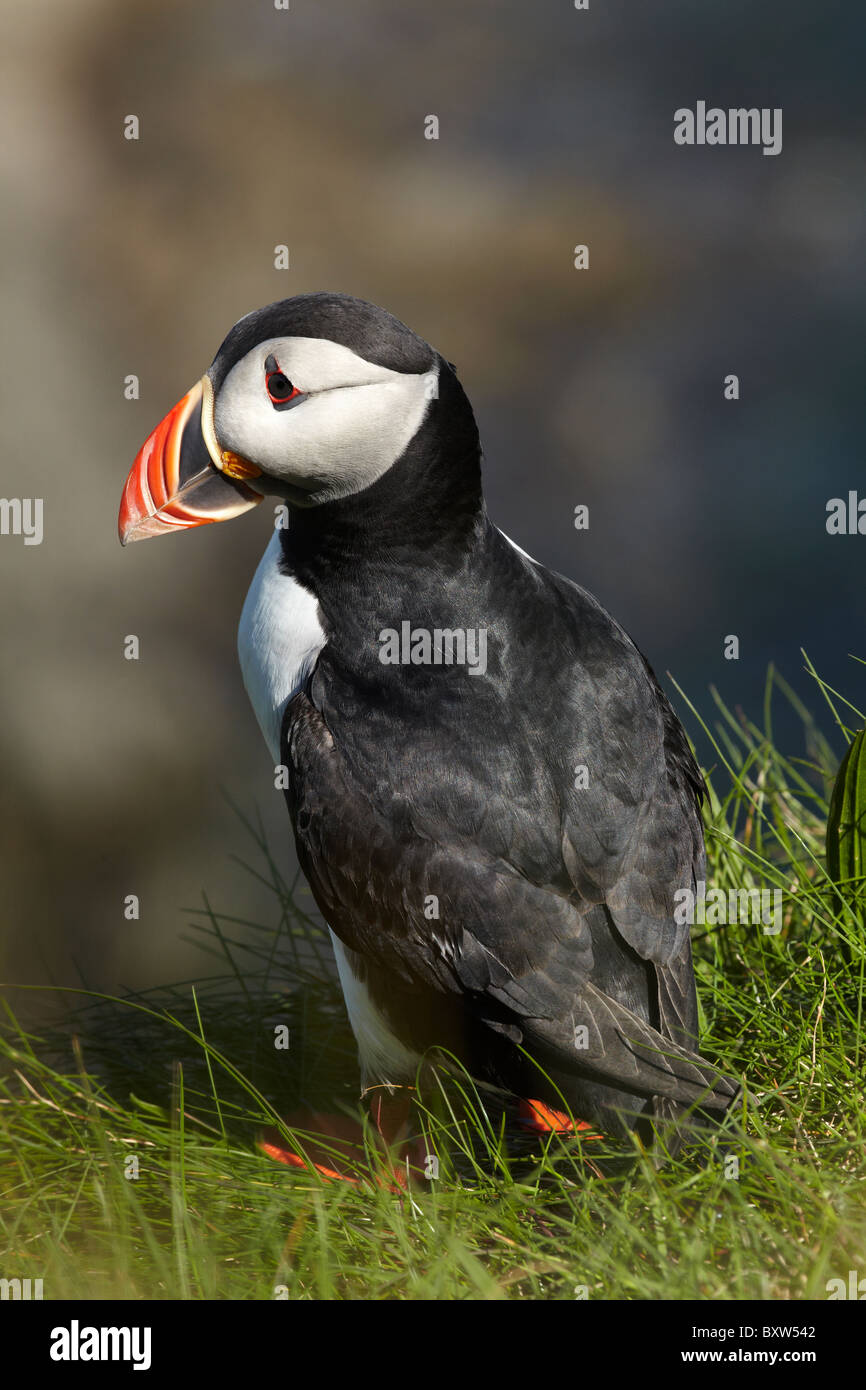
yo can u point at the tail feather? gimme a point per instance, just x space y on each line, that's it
612 1045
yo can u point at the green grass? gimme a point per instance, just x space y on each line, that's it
182 1081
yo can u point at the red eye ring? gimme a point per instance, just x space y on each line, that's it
279 388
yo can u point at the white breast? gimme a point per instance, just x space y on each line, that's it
279 638
384 1058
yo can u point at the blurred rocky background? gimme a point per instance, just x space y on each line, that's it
602 386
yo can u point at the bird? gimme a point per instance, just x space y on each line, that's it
493 801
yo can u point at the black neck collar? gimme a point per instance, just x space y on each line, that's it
429 500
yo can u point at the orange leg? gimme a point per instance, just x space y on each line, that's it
331 1139
543 1119
342 1138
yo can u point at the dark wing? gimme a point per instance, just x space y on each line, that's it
633 837
521 949
666 853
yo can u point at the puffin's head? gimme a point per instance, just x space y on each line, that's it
310 399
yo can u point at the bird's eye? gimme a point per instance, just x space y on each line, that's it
280 390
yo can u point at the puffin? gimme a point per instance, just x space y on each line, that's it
493 802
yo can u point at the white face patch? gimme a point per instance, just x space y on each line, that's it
354 424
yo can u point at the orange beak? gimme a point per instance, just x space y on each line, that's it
181 478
